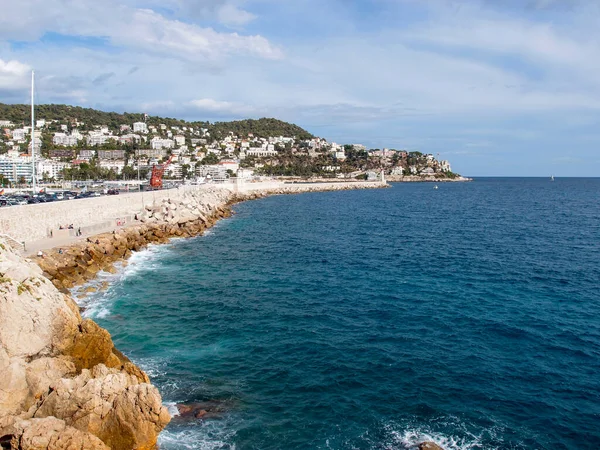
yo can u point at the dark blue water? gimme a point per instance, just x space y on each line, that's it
376 319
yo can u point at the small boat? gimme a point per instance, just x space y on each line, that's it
551 177
436 186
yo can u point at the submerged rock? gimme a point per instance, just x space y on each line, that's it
210 409
429 446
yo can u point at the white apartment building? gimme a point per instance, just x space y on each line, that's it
5 123
179 139
216 172
140 127
64 140
14 168
245 174
51 169
445 166
159 143
19 134
174 170
97 138
116 165
130 138
260 152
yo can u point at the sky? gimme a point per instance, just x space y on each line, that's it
498 87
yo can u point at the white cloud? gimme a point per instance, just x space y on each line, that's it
152 32
14 75
232 15
137 28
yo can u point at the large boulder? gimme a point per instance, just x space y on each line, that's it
52 434
63 383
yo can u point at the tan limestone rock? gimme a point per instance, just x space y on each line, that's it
64 373
53 434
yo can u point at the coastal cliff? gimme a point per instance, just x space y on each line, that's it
63 384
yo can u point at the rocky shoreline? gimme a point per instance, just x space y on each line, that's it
81 262
65 385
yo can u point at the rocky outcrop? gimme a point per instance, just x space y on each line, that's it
63 383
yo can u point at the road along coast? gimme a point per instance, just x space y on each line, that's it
64 384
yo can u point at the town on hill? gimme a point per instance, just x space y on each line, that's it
74 143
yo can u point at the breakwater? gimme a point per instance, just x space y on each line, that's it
185 214
31 223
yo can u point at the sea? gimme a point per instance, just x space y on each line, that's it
468 315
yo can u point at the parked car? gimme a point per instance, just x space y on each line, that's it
113 192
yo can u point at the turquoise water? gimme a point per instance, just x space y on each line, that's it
376 319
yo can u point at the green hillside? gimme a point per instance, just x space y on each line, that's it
21 114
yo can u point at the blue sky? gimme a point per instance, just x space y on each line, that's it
498 87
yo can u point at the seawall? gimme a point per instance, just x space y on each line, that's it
185 215
30 223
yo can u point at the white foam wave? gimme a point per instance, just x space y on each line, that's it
153 366
204 436
172 408
409 436
145 260
98 304
410 439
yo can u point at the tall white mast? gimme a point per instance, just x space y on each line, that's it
34 181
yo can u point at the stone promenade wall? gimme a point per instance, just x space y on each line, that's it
34 222
29 223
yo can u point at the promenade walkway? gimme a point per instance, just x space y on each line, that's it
65 238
